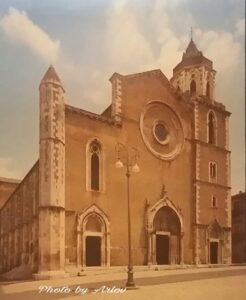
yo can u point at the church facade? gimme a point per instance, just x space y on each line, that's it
71 208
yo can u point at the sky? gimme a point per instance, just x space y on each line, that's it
87 41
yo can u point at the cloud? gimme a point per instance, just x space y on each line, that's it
240 28
19 28
127 46
139 37
221 48
8 168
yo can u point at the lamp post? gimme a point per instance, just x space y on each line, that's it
131 165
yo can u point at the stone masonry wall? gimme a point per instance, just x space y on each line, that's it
19 225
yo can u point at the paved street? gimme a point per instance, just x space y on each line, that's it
194 284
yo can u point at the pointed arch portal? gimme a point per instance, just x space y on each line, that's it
93 242
214 243
165 233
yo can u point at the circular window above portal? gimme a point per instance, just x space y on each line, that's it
162 130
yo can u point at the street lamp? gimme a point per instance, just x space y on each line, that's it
131 165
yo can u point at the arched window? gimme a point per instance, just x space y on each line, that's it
208 90
193 87
211 127
212 171
94 166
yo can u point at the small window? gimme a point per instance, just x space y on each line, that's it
193 87
212 170
214 202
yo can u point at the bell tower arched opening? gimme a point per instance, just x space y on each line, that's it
193 87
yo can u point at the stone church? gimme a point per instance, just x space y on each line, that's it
70 210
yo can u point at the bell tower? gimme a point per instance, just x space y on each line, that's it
195 73
195 77
51 177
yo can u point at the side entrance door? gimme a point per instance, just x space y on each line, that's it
213 252
93 251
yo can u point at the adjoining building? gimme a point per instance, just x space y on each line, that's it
71 208
238 227
7 186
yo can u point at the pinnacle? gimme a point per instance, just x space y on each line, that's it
51 75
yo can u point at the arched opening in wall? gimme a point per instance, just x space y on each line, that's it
93 241
193 87
212 171
167 230
211 128
93 238
214 245
208 90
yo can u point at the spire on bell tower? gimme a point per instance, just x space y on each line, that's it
195 73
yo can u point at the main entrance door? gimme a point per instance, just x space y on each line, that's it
166 237
93 251
213 252
162 249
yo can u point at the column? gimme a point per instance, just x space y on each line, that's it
182 248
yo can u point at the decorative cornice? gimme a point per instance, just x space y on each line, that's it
213 105
199 181
209 145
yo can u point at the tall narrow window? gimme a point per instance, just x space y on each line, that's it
193 87
95 176
95 172
211 128
208 90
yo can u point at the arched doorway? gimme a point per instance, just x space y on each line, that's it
165 234
93 248
93 241
214 243
166 227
